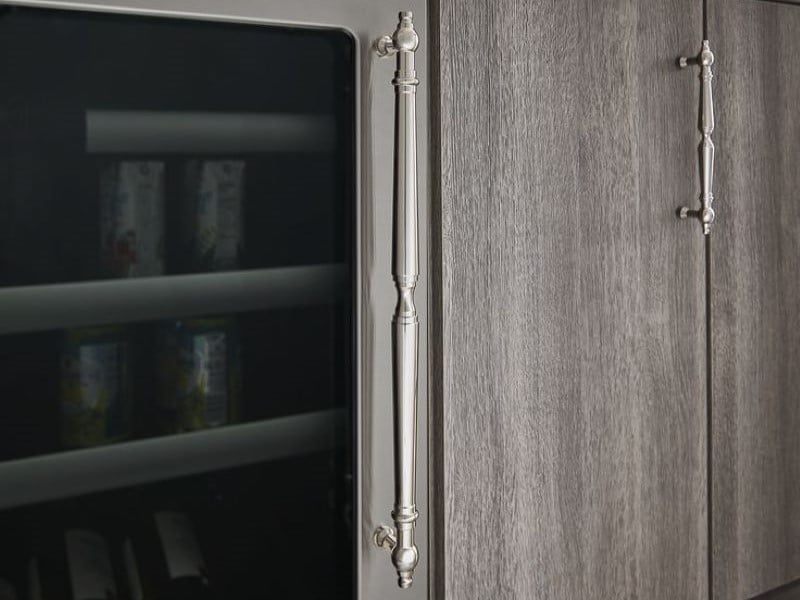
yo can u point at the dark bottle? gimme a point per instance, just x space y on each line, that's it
72 552
163 560
90 566
11 564
34 580
7 591
46 566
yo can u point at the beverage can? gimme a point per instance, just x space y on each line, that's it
95 389
214 191
200 374
132 218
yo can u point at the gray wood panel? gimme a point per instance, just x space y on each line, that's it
436 471
756 298
572 299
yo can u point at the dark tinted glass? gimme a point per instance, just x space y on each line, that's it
176 307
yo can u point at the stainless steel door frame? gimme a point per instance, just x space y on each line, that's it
366 20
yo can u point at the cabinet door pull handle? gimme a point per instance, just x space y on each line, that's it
405 323
706 213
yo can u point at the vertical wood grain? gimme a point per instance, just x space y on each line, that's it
756 299
436 538
573 401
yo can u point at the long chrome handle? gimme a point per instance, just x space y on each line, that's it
706 213
405 324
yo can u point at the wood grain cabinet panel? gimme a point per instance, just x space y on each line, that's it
573 397
755 295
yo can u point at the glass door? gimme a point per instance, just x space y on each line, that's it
177 308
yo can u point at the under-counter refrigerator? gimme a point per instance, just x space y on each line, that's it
212 313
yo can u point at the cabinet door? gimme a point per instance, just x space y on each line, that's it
574 363
755 291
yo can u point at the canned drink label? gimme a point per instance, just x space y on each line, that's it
202 381
199 370
132 218
216 191
93 394
210 365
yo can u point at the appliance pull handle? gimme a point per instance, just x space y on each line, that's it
399 539
706 213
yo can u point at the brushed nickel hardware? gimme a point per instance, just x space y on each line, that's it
706 213
405 323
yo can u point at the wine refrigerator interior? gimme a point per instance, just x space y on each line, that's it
179 291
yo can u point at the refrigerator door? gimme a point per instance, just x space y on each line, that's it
181 160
